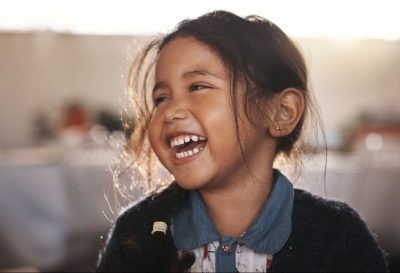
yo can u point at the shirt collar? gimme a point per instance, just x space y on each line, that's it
192 226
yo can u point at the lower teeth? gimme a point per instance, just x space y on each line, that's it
188 153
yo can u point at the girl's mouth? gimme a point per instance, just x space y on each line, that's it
185 146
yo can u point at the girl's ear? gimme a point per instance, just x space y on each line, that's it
288 108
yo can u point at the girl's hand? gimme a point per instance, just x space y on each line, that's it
184 263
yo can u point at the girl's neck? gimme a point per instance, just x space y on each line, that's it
233 209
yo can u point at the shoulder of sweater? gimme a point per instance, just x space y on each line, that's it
129 231
320 222
310 209
305 201
327 236
140 215
135 215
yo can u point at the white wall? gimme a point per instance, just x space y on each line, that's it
353 77
43 71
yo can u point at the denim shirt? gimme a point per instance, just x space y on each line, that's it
192 226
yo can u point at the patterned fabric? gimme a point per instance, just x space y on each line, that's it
246 259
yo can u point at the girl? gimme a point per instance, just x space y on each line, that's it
229 95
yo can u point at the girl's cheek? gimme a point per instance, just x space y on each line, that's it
156 118
153 134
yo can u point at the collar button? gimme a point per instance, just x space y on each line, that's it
227 248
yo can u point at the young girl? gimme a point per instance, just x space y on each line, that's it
229 95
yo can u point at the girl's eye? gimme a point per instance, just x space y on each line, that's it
159 100
197 86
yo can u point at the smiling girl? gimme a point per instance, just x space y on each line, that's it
228 96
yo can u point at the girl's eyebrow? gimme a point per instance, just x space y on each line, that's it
158 85
199 71
188 74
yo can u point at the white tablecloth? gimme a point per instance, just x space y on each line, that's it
44 204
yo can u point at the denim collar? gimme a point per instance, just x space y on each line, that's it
192 226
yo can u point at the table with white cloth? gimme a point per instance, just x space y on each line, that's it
52 205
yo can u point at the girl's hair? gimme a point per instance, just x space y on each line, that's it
256 52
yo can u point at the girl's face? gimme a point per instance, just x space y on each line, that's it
192 129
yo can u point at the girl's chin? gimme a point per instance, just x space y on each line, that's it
190 185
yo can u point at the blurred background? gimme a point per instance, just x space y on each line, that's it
63 68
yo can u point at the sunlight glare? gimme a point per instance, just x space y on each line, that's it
339 19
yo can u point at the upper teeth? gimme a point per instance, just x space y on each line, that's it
180 140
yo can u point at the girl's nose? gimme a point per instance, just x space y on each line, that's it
175 112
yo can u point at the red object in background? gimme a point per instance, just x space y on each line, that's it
75 117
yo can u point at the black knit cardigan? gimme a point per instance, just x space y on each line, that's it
327 236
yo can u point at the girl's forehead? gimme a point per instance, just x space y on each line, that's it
185 47
183 54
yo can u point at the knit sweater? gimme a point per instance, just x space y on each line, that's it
327 236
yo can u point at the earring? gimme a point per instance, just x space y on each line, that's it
277 128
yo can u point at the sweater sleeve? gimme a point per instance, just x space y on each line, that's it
358 251
122 250
110 259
